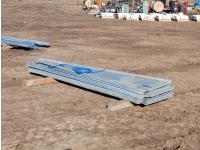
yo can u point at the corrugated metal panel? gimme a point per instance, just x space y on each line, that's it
18 42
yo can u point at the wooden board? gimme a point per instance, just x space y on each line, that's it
114 105
41 81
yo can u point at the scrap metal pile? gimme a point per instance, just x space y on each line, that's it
138 89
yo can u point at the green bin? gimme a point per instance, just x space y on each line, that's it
145 6
124 8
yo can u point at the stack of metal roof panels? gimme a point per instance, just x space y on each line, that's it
135 17
122 15
147 17
179 17
24 43
163 17
195 18
138 89
108 15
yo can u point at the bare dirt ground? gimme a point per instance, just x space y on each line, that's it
62 117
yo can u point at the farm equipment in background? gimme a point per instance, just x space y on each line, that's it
88 5
147 6
137 6
174 6
117 6
121 6
197 3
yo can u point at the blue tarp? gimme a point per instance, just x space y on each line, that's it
135 88
25 43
